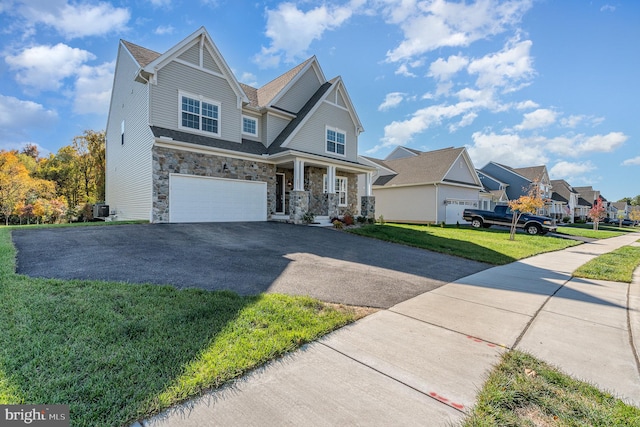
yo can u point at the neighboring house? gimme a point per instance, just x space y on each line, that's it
567 197
519 180
622 210
186 142
494 191
425 187
587 199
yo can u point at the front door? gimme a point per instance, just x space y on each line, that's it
279 193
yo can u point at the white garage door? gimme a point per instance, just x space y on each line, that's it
205 199
454 210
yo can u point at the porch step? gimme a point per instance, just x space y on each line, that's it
321 221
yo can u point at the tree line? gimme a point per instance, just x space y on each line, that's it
59 188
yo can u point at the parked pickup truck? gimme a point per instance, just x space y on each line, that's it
502 215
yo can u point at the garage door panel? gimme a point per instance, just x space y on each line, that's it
205 199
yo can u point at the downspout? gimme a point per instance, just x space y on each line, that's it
437 202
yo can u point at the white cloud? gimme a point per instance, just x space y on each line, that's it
93 89
526 105
403 70
539 118
249 79
292 30
44 67
579 145
466 120
444 69
511 68
391 100
571 171
16 115
431 25
509 149
632 162
608 8
164 29
77 19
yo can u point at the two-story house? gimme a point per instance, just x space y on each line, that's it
518 181
568 198
186 142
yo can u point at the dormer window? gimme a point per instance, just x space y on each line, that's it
199 113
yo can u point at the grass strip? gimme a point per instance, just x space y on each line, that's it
615 266
589 232
118 352
524 391
490 246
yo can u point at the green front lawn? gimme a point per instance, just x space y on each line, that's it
584 230
523 391
485 245
615 266
118 352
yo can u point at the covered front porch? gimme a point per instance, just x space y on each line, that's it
323 188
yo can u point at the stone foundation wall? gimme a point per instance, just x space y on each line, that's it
368 207
167 161
319 203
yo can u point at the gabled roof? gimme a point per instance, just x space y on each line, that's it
533 173
276 145
401 151
150 65
267 93
426 168
562 188
142 55
588 193
483 173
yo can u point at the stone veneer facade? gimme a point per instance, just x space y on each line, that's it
318 200
167 161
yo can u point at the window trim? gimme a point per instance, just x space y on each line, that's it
257 122
338 191
326 140
200 99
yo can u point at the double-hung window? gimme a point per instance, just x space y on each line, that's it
335 141
249 126
341 189
200 114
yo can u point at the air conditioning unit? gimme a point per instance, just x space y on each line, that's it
100 210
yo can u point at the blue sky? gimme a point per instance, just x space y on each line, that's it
520 82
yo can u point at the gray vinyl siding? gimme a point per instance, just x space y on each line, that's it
128 165
300 92
312 136
460 172
274 125
340 100
174 77
209 62
191 55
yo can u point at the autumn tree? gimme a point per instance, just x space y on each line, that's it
78 169
597 213
527 203
14 183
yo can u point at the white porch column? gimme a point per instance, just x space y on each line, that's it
331 179
367 184
298 175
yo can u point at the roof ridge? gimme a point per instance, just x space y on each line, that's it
141 54
268 91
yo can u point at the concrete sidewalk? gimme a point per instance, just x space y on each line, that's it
422 361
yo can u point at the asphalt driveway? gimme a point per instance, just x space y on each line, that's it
248 258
